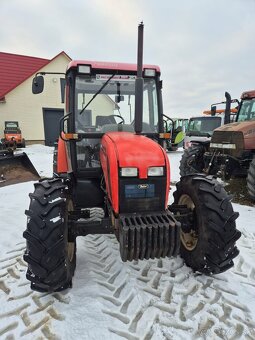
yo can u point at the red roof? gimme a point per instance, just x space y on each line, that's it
15 69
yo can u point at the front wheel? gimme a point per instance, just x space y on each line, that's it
208 238
50 252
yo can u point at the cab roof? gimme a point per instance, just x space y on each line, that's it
106 65
248 94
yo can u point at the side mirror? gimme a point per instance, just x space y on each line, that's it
213 110
37 84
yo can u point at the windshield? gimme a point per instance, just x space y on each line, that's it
111 109
247 110
115 103
11 125
179 123
204 124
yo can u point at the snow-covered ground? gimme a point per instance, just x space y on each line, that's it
156 299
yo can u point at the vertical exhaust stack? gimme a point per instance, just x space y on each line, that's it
228 108
139 83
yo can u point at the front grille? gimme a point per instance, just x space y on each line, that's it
149 235
139 190
229 137
139 195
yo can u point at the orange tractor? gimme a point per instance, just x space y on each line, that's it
113 177
12 135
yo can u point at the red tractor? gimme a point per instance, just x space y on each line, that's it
113 176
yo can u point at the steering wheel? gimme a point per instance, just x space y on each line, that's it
122 119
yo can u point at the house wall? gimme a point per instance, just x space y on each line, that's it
26 108
102 105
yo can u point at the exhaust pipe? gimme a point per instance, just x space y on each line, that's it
139 83
228 108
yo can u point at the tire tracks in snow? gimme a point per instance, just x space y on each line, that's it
246 271
164 299
25 313
154 299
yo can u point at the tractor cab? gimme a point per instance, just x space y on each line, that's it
12 135
101 98
11 127
247 107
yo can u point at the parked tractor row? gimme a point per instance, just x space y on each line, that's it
231 150
200 128
184 132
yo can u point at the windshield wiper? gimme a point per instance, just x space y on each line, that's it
99 91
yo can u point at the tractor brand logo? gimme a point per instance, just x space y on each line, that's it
117 77
143 186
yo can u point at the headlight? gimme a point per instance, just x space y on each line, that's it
129 172
222 146
149 72
84 69
156 171
228 146
215 145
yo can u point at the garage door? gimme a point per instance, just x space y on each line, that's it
51 119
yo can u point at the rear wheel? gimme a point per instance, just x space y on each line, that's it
192 160
208 242
50 253
251 180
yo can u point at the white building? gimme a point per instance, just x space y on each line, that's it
38 115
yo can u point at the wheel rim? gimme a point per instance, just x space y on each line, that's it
190 239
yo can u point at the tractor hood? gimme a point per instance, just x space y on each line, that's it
238 126
128 150
247 128
142 151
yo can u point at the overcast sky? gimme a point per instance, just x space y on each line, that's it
203 47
